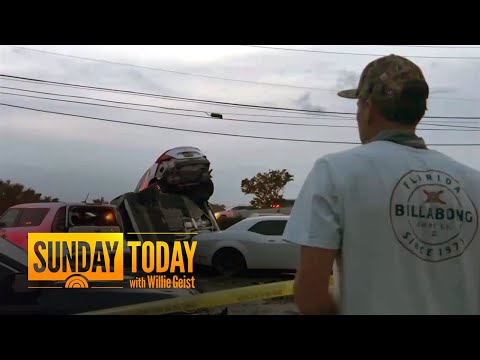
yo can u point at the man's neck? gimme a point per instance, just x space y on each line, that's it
392 132
400 136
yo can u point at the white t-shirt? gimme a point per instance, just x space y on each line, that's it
406 223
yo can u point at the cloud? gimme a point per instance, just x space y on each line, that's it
304 102
347 79
68 157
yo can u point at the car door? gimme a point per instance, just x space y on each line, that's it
21 221
270 250
59 222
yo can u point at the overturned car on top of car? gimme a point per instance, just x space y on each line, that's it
171 197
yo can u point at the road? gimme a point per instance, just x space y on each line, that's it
207 282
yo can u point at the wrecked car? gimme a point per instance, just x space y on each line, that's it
183 170
171 197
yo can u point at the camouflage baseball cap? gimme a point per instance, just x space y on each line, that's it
385 78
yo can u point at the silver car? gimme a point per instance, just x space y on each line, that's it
182 170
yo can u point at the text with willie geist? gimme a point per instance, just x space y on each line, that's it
163 282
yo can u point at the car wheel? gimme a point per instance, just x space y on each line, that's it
229 262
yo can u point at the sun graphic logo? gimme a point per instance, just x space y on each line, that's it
76 258
76 282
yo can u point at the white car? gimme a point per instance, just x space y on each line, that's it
253 243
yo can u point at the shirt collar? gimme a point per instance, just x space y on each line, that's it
402 137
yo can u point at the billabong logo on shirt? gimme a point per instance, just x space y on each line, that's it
432 216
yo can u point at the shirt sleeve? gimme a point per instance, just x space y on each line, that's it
316 215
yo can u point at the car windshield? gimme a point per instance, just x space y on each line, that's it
92 216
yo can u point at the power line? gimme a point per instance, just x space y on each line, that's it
202 132
320 116
97 99
203 111
125 92
171 71
227 79
178 98
137 93
177 129
435 46
173 98
360 54
464 128
176 114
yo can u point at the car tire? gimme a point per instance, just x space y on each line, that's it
229 262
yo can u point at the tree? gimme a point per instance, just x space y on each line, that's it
13 194
100 201
266 187
48 199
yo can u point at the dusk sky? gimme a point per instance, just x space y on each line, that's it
68 157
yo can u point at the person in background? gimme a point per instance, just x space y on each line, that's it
398 220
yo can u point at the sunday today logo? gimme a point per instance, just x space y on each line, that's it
432 216
80 258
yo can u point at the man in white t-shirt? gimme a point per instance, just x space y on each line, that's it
399 220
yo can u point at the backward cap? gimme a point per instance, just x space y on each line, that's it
385 78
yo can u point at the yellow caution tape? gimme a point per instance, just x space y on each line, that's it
203 301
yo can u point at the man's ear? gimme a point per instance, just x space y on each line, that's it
371 112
